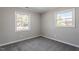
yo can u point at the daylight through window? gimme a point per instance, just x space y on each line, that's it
65 18
22 22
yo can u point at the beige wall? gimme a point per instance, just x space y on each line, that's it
67 35
7 25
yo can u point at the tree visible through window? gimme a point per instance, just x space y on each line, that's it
65 19
22 22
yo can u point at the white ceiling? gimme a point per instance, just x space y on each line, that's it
41 9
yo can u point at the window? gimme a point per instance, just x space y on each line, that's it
22 21
65 18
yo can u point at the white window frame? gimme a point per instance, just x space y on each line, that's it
29 24
66 10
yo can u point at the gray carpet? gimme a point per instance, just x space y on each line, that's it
38 44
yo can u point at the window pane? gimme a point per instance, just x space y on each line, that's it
22 22
64 19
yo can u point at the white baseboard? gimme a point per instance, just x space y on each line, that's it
38 36
17 41
62 41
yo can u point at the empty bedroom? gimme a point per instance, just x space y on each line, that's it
39 29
